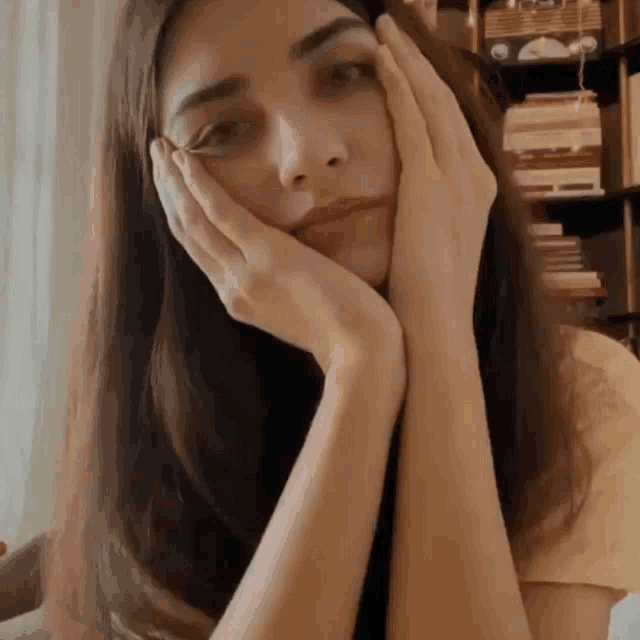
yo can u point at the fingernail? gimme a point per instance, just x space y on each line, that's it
179 157
385 21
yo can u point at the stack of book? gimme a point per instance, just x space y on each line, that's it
553 144
565 270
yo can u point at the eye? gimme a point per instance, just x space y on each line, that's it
345 76
224 134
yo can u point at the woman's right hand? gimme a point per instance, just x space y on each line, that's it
264 276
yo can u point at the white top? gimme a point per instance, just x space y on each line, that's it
604 546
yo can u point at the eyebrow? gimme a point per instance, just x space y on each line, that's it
300 50
313 41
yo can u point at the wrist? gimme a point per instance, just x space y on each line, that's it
379 363
432 324
372 338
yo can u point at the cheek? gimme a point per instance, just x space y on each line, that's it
375 137
236 176
245 180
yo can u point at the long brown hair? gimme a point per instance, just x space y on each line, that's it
179 441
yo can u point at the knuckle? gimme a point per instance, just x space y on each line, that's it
259 254
178 228
175 227
235 277
238 306
191 219
259 286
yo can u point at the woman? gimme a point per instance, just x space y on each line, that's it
259 393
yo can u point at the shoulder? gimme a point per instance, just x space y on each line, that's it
569 611
600 379
589 348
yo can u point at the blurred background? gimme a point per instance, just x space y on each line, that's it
52 74
54 60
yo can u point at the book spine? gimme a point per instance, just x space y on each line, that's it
558 268
576 280
550 159
576 276
546 139
572 243
549 260
545 229
584 178
634 122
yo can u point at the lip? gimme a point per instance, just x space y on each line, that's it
341 209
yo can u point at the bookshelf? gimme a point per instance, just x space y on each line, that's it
606 71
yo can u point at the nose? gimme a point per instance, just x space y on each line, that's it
307 147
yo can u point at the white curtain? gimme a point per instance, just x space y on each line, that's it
52 73
28 210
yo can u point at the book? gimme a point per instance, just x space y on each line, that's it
545 229
634 124
550 259
572 266
553 144
568 242
572 279
558 183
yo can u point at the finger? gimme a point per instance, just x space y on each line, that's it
451 136
185 217
226 280
221 262
412 137
159 179
467 148
238 224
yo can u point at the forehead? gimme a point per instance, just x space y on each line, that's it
214 37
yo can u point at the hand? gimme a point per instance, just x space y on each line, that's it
264 276
445 189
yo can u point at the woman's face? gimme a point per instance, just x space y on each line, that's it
296 124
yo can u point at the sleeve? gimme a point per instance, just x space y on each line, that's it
603 548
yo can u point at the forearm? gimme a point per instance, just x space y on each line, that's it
306 576
452 574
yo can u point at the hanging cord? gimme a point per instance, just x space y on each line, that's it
583 56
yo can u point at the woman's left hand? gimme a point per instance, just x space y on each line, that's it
445 189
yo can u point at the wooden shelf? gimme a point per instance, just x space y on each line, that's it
604 73
600 75
571 295
622 319
615 194
630 49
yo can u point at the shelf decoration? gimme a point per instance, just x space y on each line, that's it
553 144
518 32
